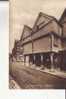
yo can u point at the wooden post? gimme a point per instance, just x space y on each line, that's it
41 60
52 61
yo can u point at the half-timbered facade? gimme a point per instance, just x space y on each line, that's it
42 44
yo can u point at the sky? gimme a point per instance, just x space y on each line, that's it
26 11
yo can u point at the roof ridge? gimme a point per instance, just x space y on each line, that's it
27 27
46 15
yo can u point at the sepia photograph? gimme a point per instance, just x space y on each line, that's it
37 44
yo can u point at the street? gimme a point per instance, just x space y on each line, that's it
29 78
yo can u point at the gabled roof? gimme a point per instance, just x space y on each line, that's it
26 31
42 19
17 43
63 17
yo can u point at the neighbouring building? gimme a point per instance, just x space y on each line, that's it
17 51
62 53
44 43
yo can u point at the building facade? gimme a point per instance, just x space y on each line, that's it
62 53
43 44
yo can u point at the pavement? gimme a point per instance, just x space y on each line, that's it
55 72
32 78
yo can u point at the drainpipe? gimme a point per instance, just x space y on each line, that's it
32 47
52 54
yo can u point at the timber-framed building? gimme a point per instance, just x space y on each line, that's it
44 44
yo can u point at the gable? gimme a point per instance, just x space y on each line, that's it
26 32
42 19
63 17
